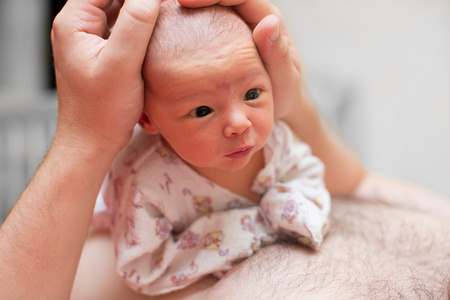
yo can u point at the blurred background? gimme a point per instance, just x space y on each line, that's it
379 71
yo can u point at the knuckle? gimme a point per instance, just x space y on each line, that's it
60 26
141 13
57 25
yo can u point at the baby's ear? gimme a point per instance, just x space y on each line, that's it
147 125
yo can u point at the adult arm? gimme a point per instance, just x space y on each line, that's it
100 92
401 194
293 103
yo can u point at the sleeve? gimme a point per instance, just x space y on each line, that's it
153 260
297 203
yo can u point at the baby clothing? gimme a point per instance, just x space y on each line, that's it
172 226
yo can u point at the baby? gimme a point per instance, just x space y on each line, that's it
212 177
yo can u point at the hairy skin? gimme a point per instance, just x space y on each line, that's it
373 251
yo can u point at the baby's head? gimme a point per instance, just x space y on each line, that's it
207 91
185 33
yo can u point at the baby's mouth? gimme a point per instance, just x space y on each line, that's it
241 152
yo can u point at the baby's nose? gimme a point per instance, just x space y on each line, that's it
237 123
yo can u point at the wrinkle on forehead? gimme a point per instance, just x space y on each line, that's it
214 58
188 33
221 73
228 56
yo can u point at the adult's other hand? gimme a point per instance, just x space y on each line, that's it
100 94
98 75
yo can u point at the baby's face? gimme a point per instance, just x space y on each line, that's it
216 109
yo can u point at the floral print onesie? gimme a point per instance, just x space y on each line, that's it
172 226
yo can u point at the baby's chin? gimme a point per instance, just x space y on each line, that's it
228 165
223 168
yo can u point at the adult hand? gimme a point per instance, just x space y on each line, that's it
100 94
274 44
99 82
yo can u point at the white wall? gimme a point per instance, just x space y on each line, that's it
380 71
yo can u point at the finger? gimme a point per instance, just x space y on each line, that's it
274 42
280 58
83 16
80 22
128 41
252 11
201 3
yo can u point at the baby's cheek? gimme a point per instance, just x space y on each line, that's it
197 153
266 126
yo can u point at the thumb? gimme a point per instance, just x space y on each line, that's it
280 58
274 42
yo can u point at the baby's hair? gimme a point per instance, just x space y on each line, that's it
184 32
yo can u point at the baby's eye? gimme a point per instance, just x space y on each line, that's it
252 94
200 112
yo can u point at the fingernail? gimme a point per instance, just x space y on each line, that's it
276 33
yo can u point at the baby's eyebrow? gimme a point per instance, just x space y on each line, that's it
229 87
188 96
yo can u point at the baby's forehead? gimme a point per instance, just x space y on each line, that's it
182 31
188 36
227 70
